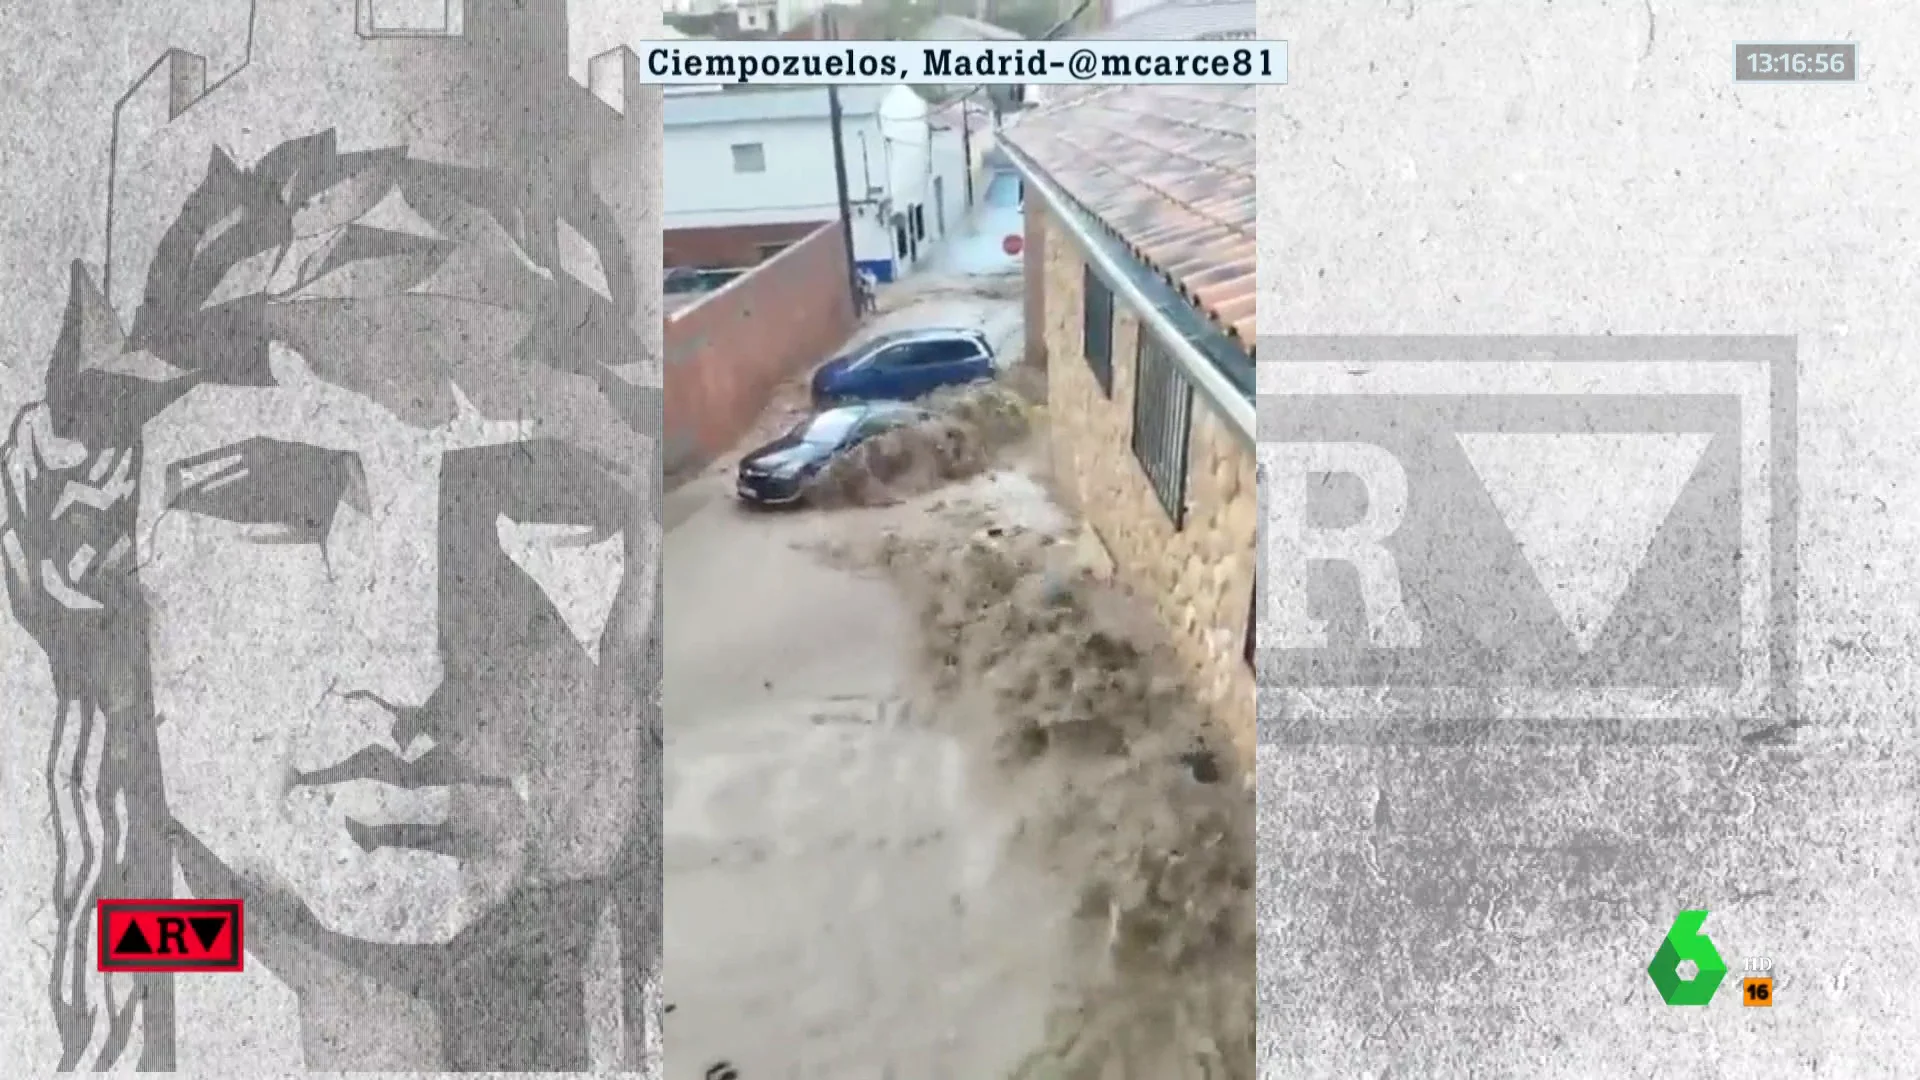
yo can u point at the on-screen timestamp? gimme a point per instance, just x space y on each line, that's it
1796 62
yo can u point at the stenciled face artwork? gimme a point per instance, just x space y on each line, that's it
375 650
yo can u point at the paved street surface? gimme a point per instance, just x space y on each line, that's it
837 901
839 898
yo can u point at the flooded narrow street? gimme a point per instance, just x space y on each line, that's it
930 811
842 895
839 897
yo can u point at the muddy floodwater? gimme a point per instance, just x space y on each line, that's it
840 896
878 864
935 806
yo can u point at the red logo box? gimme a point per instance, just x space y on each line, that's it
171 935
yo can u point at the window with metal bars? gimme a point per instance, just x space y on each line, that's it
1097 329
1162 420
1253 607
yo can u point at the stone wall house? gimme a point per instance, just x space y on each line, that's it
1140 266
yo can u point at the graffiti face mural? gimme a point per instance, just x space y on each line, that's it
343 551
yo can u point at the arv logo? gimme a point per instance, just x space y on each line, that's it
170 935
1555 529
1582 509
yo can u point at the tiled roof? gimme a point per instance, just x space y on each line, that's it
1169 172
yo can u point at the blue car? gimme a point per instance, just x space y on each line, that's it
905 365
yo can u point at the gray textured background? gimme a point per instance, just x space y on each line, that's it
1588 167
64 65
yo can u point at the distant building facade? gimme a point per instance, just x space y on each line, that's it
750 170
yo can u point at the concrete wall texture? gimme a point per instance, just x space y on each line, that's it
1199 579
509 98
727 353
1535 168
485 123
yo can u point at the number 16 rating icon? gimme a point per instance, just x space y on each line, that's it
1756 988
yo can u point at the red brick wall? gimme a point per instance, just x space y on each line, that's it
730 246
727 353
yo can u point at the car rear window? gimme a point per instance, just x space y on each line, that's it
877 422
943 352
829 427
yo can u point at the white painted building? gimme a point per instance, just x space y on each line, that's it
754 157
786 14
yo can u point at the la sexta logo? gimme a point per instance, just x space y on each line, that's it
171 935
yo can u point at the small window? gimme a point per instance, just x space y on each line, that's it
1005 190
1162 420
1097 330
749 157
1253 607
919 224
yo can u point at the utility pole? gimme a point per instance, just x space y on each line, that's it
966 143
830 32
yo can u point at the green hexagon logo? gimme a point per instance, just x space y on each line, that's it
1686 941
